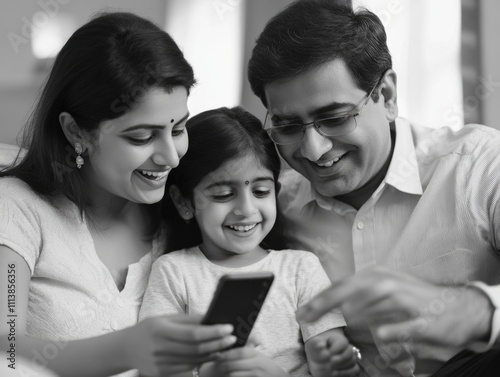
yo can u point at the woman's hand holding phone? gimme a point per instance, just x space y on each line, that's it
174 344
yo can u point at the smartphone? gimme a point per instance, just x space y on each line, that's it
237 301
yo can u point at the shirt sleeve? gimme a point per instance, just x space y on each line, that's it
20 224
311 280
165 293
481 181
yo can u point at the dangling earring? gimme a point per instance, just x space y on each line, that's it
79 158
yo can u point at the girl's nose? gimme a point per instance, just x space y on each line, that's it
245 205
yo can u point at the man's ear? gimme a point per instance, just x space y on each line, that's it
183 205
72 132
388 91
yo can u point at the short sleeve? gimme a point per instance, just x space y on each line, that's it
20 228
165 293
311 280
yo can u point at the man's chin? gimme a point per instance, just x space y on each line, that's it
329 192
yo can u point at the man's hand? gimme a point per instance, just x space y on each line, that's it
407 309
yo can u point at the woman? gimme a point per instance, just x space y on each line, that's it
79 223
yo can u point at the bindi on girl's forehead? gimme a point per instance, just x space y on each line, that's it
171 121
247 183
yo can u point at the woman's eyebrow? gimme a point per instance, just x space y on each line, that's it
154 126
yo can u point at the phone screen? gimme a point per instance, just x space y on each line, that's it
237 301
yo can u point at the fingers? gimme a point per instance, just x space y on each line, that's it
188 329
343 360
194 350
357 289
373 293
350 372
325 301
237 354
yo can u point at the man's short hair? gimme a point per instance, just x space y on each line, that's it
309 33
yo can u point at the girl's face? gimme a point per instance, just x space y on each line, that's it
235 207
134 153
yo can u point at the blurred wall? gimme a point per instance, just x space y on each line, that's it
257 13
19 80
488 89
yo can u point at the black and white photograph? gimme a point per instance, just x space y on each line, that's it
249 188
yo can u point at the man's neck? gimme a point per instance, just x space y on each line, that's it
357 198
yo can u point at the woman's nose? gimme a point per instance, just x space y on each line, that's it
166 153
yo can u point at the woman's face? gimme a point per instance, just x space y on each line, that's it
133 154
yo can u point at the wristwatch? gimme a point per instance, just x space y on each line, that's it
493 294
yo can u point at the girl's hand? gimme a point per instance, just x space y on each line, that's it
173 345
244 362
331 352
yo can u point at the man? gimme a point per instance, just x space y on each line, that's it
412 212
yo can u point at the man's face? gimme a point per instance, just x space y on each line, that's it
337 165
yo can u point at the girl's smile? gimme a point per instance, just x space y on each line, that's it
235 208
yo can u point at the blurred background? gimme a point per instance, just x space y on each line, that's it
446 53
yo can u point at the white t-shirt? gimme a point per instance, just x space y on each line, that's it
184 281
72 294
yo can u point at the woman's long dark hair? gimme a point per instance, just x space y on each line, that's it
215 137
103 70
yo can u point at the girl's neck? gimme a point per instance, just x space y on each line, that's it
233 260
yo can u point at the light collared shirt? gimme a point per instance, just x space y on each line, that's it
436 216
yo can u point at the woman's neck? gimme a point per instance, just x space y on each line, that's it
103 209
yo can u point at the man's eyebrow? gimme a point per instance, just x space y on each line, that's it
154 126
335 106
229 183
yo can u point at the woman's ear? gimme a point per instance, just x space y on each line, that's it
72 132
388 86
183 206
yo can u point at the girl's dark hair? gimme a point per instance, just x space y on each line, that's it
215 138
104 69
309 33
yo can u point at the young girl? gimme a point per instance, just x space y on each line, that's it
226 187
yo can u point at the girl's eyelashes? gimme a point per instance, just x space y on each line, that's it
228 195
261 193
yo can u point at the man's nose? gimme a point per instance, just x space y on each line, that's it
314 145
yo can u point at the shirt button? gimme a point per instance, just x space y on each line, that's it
114 325
361 225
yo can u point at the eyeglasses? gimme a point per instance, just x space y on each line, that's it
337 125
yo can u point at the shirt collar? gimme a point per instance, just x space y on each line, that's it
403 173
